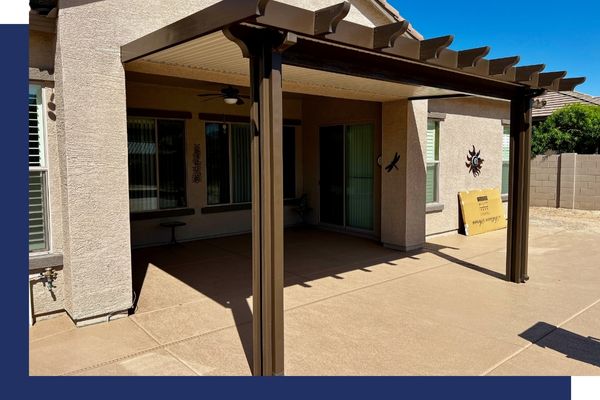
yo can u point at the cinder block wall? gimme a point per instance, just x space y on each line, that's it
567 181
544 181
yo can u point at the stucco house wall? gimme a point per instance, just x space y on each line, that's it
41 64
467 122
201 225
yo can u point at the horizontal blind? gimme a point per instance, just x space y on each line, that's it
506 144
431 183
37 204
38 233
432 141
36 136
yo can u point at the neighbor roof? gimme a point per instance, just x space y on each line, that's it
396 15
557 100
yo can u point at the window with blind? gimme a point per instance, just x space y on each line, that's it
505 158
156 150
228 152
38 190
433 160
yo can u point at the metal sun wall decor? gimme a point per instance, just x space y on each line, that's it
474 162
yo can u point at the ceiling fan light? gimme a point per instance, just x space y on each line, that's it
230 100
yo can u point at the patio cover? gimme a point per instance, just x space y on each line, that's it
271 34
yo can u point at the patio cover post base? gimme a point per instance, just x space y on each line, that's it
518 197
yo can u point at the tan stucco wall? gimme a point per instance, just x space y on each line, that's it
468 122
45 302
321 111
151 96
404 125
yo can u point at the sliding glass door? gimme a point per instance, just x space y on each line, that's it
346 177
359 176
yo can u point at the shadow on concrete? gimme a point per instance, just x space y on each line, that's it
437 250
231 286
581 348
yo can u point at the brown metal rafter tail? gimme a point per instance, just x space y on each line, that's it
329 26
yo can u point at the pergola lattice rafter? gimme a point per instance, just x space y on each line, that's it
329 27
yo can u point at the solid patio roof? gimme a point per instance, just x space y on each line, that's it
342 49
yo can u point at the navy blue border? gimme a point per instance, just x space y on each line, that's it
14 263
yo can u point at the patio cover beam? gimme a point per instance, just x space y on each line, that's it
204 22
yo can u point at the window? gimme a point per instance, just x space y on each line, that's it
228 165
289 162
433 160
38 174
156 164
505 158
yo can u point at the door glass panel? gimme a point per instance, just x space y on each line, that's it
171 163
217 163
331 140
359 176
240 163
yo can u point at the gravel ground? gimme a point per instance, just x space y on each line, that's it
573 220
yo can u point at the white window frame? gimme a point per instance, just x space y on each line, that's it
505 132
436 163
43 168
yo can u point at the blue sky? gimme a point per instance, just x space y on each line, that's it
564 35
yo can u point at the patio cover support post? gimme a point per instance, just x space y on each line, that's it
518 194
264 52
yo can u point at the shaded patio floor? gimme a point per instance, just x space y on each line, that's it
352 308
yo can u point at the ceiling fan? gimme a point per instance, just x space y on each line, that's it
229 94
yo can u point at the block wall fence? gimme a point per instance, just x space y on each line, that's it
566 180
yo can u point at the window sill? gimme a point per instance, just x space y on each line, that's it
240 207
144 215
434 208
226 208
504 197
45 261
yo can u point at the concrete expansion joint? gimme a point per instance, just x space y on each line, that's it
150 349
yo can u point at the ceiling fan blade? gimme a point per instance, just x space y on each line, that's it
214 97
243 96
207 94
239 101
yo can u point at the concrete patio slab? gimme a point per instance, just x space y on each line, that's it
80 348
352 308
49 327
224 352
